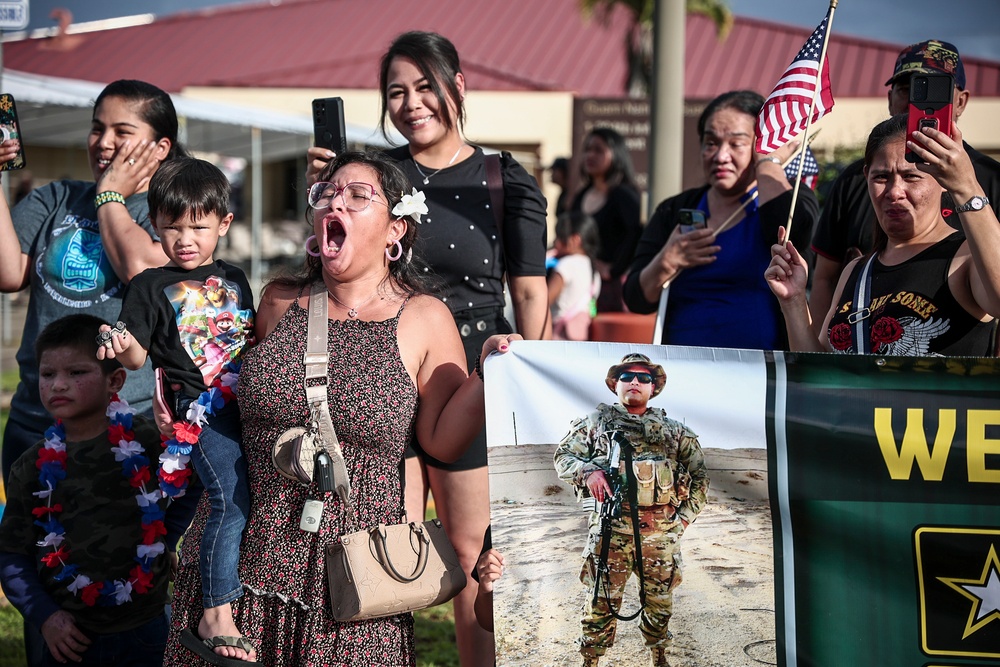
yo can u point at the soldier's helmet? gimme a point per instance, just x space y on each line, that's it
636 359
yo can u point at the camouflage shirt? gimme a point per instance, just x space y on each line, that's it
655 438
102 522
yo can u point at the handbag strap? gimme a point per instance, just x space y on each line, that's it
859 318
494 180
317 362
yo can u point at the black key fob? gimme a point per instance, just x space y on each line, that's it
324 472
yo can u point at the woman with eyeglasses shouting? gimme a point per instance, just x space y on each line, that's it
471 246
396 371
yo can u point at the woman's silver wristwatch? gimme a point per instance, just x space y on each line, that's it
975 204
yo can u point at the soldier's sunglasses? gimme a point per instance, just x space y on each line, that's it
643 378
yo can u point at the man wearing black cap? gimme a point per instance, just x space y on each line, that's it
845 228
659 464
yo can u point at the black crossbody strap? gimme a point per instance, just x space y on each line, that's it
860 318
494 180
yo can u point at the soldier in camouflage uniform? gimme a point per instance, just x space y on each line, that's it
672 485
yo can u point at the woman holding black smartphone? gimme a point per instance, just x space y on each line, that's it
423 89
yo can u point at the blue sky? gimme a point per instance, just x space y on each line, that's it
970 24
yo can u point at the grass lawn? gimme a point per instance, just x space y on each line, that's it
11 638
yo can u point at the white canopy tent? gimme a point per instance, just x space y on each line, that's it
56 112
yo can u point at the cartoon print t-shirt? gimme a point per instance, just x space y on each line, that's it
911 311
192 322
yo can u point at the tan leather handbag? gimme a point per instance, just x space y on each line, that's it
388 570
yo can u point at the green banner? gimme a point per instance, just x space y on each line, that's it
885 493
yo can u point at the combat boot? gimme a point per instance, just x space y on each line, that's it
659 654
590 660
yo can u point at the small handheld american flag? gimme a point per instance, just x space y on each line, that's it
810 170
786 110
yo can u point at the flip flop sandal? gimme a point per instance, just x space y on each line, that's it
203 648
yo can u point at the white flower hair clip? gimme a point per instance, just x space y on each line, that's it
411 205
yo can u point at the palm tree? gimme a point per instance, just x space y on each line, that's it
639 38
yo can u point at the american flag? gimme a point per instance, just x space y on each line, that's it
810 170
786 111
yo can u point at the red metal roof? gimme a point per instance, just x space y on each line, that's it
505 45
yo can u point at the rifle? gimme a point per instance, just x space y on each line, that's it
611 509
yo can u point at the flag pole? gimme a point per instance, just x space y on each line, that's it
812 108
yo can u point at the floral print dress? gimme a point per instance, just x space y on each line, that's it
285 609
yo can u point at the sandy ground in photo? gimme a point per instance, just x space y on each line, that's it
723 610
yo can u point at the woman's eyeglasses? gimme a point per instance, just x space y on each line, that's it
357 196
643 378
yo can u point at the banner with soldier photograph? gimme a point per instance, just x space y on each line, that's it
539 395
882 477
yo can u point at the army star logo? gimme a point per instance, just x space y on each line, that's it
958 574
984 594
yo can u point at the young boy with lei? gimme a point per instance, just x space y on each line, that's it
193 317
87 539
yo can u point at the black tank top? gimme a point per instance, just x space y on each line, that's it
913 312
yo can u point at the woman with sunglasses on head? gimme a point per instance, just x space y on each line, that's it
423 89
396 371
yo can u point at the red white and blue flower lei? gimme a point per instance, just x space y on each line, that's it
174 472
129 452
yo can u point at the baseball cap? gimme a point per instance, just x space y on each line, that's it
929 57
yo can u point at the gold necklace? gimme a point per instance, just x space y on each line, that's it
434 173
352 312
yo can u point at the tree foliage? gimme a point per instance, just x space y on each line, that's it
639 37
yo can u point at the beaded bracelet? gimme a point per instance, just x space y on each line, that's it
479 368
108 197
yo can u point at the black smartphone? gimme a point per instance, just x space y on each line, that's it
930 106
692 219
328 124
10 128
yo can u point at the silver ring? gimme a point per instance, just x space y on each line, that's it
131 160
